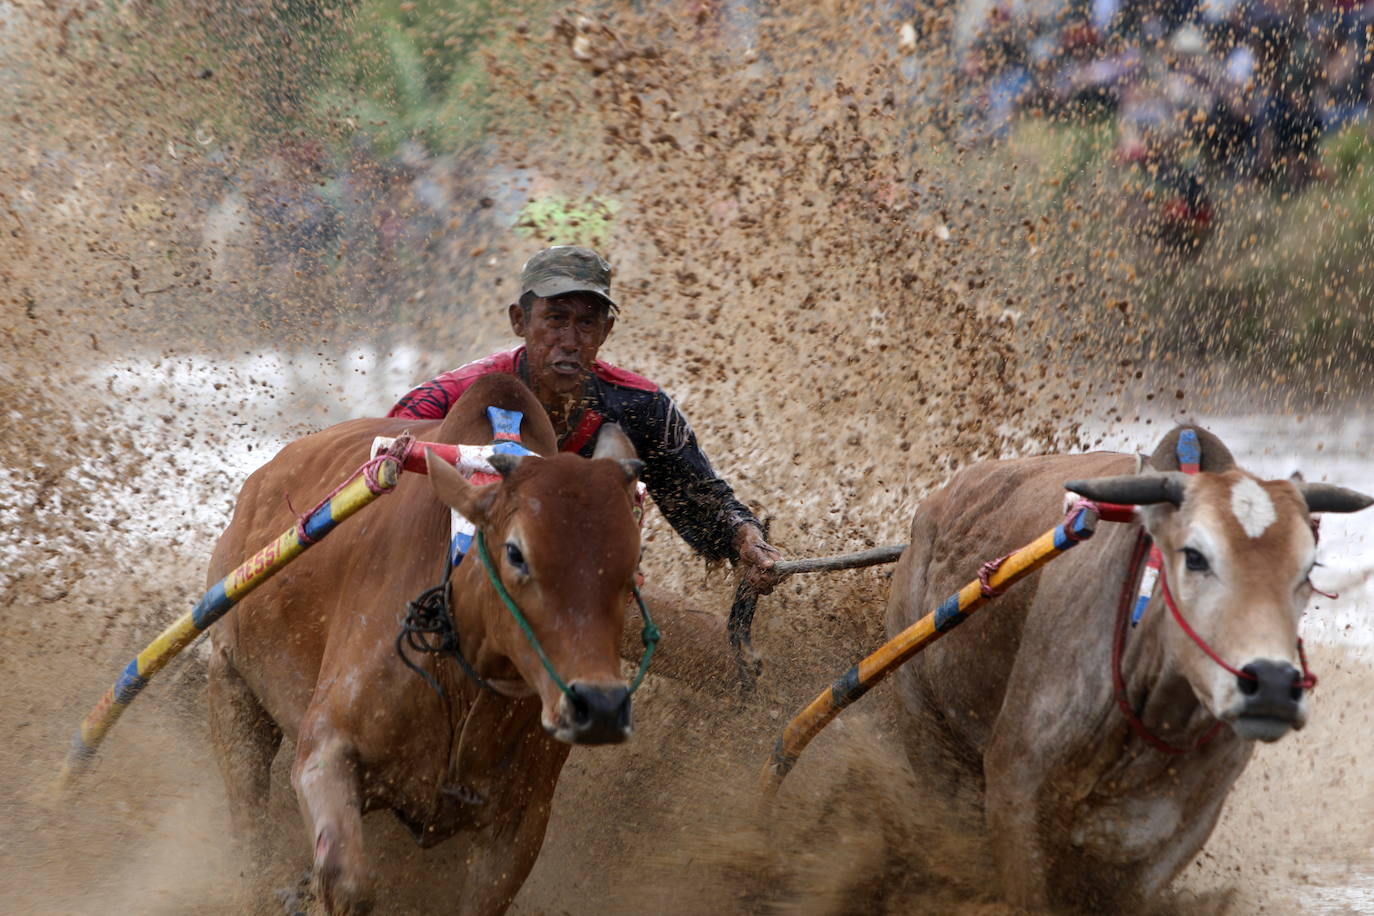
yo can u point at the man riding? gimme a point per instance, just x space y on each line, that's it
564 314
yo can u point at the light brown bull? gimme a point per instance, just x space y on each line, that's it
312 654
1082 810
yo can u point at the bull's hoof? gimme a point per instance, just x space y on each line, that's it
295 900
347 901
342 895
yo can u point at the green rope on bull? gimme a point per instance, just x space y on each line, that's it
650 634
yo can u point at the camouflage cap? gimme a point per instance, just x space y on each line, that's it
567 269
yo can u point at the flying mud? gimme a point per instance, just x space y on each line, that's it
204 255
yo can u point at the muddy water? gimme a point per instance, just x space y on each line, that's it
672 812
847 310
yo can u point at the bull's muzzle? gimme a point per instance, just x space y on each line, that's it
1271 700
594 714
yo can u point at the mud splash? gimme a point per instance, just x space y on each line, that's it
847 307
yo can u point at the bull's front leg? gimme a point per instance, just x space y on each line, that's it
328 787
504 852
1013 819
245 741
1027 747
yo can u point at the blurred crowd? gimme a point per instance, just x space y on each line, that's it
296 225
1200 90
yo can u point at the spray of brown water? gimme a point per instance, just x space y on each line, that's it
847 307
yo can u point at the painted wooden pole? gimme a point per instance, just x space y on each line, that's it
1079 525
376 478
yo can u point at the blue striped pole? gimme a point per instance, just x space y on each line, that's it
894 653
360 490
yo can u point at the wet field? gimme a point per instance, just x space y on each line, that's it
208 249
674 809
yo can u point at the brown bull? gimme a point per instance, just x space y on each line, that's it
312 654
1083 809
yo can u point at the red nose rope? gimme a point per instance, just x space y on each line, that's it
1123 702
1307 682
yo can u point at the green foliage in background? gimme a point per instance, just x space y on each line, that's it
416 71
1285 277
394 71
557 220
1288 272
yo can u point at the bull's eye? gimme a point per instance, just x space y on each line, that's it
1194 560
516 559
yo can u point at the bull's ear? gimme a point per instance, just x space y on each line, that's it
1326 497
455 491
1133 489
611 442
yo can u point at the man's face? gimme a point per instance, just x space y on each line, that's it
561 337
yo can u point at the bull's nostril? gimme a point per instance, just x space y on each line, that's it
1268 682
597 714
582 711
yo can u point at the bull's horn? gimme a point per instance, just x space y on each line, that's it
611 442
632 467
504 463
1133 489
1326 497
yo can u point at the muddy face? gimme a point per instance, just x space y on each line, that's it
562 336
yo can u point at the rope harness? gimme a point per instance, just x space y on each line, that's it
650 634
1123 624
1190 458
428 627
1307 681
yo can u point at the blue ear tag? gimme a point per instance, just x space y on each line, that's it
1147 585
458 547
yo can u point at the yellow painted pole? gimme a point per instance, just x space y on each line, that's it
954 610
361 489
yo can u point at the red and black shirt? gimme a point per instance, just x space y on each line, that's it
699 505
